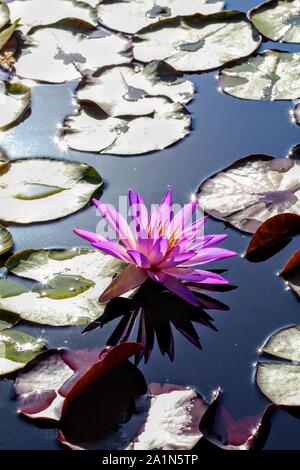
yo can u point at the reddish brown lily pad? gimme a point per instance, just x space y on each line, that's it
48 383
271 236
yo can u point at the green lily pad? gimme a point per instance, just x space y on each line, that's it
14 99
7 33
16 349
8 319
69 284
35 13
69 51
279 378
278 20
198 42
6 240
40 189
130 16
4 14
271 75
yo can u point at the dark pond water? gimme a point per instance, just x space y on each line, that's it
224 129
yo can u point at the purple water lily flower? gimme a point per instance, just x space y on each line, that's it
160 246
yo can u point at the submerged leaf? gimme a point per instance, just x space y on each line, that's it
167 419
131 15
40 189
96 132
16 349
279 379
68 52
70 283
50 382
271 234
198 42
14 101
278 20
251 190
126 90
6 240
271 75
34 13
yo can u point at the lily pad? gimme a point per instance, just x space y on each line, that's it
4 14
14 100
49 383
70 284
40 189
131 15
198 42
35 13
8 319
6 240
6 33
271 75
251 190
93 131
278 20
279 378
16 349
291 272
126 90
167 419
67 52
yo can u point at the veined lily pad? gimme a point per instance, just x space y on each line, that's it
278 20
16 349
125 90
67 53
271 75
6 240
34 13
4 14
94 131
46 387
131 15
279 379
251 190
70 284
40 189
198 42
14 101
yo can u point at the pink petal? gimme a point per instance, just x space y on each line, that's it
165 210
90 236
194 228
113 249
139 213
208 255
181 258
128 279
175 286
158 250
117 222
139 259
180 221
196 275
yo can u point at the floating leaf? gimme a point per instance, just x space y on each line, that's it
271 75
198 42
93 131
14 101
6 240
67 53
4 15
131 15
279 379
251 190
278 20
49 383
269 237
219 428
291 272
71 282
34 13
8 319
168 419
126 90
40 189
16 349
6 34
